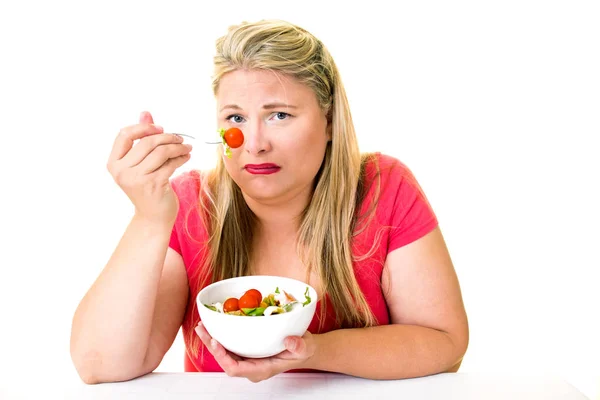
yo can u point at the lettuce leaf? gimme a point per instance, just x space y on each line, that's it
288 307
307 297
258 311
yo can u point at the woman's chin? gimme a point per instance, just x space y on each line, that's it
267 192
263 194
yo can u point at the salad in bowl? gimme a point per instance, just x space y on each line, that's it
252 315
252 303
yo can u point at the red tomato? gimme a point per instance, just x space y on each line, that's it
248 301
231 304
255 293
234 137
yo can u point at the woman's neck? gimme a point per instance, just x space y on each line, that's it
281 218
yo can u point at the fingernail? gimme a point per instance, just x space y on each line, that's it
291 345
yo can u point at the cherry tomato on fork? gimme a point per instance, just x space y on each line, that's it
233 137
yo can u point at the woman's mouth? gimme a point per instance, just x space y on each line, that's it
262 169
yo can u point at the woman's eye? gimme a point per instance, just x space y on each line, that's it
281 115
237 119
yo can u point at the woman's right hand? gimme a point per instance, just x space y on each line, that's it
143 170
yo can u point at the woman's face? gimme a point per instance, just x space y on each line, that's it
285 134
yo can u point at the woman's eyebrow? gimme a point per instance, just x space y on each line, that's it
278 105
268 106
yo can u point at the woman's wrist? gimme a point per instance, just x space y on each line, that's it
151 225
315 345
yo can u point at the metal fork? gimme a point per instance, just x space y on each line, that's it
191 137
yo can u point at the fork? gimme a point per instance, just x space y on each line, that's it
191 137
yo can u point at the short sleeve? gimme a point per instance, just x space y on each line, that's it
174 241
412 216
186 187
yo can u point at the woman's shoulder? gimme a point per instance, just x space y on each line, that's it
399 200
390 171
187 185
391 185
187 180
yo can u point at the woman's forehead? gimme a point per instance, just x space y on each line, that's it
261 85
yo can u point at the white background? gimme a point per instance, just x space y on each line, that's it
493 105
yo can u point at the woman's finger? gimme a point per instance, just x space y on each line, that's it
287 355
146 117
124 140
207 339
226 360
146 145
168 168
160 155
203 334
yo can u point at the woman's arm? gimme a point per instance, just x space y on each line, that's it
130 316
386 352
429 332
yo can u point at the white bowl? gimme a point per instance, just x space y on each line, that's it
260 336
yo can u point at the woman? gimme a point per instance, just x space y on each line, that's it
297 199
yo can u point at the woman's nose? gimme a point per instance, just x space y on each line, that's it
256 140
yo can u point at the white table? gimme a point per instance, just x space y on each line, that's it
316 386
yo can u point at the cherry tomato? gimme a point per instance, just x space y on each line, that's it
255 293
234 137
248 301
231 304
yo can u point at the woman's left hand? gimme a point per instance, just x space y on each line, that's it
298 351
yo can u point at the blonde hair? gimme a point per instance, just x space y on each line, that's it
330 220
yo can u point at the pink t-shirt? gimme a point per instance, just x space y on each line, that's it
402 206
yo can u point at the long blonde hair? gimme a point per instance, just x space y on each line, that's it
330 220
